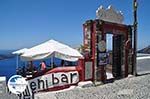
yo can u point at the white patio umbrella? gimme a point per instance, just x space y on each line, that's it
51 48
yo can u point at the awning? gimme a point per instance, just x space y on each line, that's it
49 49
19 52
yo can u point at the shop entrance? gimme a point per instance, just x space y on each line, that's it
117 56
114 50
121 50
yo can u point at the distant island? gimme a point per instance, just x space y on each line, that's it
145 50
6 54
2 57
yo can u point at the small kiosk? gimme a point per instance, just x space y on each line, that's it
108 21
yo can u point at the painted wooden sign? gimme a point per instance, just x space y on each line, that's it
53 80
87 38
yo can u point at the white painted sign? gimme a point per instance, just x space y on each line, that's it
88 70
53 80
87 39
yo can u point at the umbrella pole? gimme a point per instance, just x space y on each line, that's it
17 62
52 60
17 59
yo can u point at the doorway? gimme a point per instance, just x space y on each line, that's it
109 49
114 46
117 53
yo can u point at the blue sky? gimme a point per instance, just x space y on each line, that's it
25 23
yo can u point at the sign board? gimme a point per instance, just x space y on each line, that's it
53 80
101 51
88 70
49 81
102 46
87 38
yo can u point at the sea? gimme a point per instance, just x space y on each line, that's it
8 64
8 67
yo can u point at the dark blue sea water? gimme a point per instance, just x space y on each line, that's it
7 64
8 67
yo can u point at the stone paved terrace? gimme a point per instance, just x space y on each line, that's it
128 88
